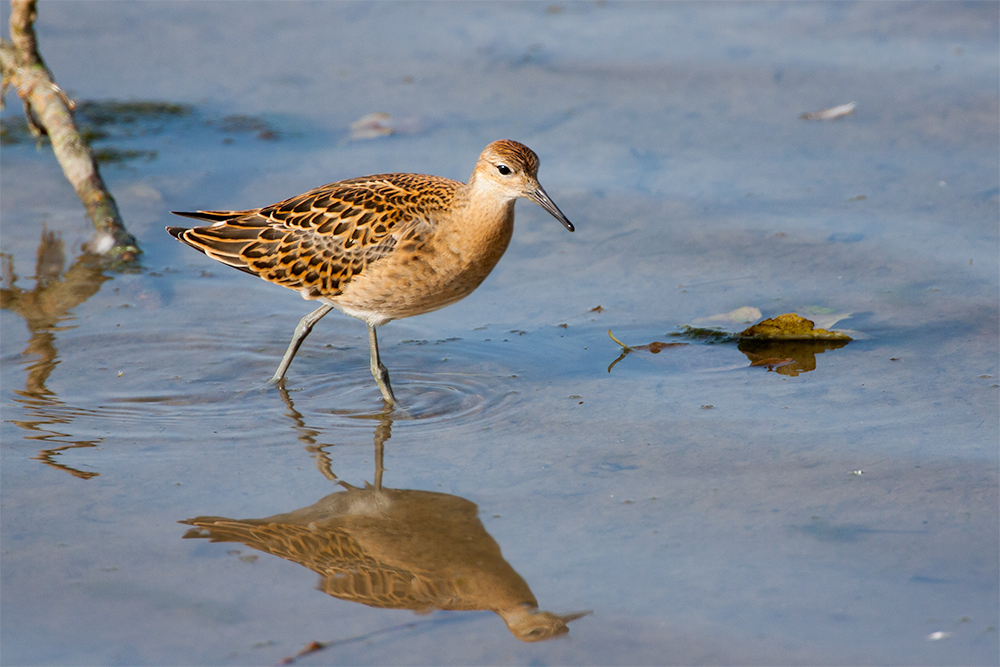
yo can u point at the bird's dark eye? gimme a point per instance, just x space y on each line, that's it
503 169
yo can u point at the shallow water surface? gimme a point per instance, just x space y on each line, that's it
707 504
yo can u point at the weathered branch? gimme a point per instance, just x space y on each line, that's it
48 108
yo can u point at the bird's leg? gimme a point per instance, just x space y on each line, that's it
380 372
302 330
382 433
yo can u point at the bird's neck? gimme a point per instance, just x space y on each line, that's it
481 226
485 211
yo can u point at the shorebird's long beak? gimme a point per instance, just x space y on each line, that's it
575 615
539 197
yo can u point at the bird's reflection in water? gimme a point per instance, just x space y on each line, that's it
395 549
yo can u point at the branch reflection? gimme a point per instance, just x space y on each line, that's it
44 309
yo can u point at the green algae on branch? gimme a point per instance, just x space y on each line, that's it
106 120
241 123
706 334
116 156
131 112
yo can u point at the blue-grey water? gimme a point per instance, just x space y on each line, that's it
705 510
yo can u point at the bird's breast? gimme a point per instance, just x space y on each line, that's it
435 269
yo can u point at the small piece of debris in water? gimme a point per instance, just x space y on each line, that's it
832 113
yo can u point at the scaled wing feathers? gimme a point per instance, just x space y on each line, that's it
317 241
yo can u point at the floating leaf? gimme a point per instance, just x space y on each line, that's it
789 326
786 344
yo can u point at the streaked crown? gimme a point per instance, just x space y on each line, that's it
514 155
